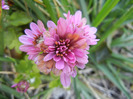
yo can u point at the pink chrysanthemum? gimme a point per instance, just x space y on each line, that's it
33 39
5 7
68 44
63 48
22 86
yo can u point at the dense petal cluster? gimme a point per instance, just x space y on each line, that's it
62 47
5 7
22 86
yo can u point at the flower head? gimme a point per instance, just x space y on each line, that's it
64 46
5 7
33 39
22 86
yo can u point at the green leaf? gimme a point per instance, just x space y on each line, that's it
7 59
116 25
110 76
9 90
19 18
120 85
50 10
84 9
16 43
108 6
55 83
120 64
36 10
123 58
45 94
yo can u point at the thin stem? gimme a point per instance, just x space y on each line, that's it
26 95
75 88
7 72
1 36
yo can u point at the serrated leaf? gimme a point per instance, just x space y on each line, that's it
19 18
55 83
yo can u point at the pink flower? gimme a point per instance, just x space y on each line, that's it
64 46
5 7
22 86
68 44
33 39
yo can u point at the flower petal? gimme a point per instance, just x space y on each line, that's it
14 85
65 79
56 58
81 66
83 60
34 28
48 57
74 72
26 40
92 30
49 41
41 26
78 16
66 69
29 33
60 64
51 24
61 26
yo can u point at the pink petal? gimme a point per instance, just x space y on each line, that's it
48 57
5 7
60 64
18 90
70 55
65 79
83 60
14 85
49 41
92 30
29 33
78 16
81 66
56 58
26 40
65 59
74 73
84 21
61 26
66 69
51 24
79 52
41 26
34 28
81 42
32 57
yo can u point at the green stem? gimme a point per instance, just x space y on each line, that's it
75 88
1 38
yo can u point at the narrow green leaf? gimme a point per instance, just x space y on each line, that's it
7 59
121 64
123 58
50 10
39 14
84 9
110 76
67 6
121 85
116 25
10 91
108 6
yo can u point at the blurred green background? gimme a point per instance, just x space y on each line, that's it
109 73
